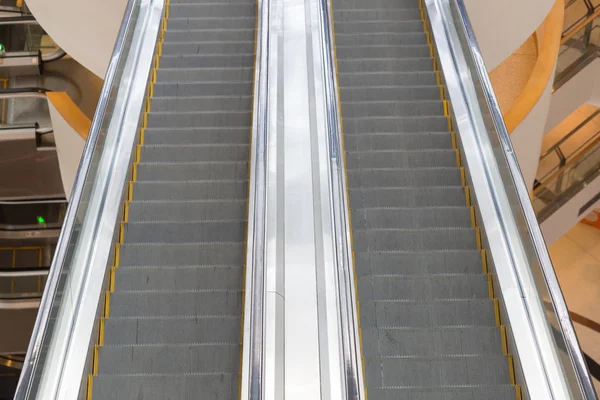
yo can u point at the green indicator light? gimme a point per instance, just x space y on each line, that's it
1 47
41 220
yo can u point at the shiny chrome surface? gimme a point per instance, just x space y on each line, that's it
57 354
20 303
524 270
21 272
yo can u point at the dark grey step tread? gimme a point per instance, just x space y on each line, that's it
375 39
407 196
180 10
390 108
206 74
187 210
423 342
423 287
184 232
182 359
387 64
390 93
204 103
396 79
422 314
199 118
161 387
180 171
195 153
172 330
368 125
180 278
378 27
406 51
206 35
206 61
393 217
176 303
190 190
197 135
356 160
435 372
434 239
408 177
406 142
207 22
478 392
181 254
387 14
215 47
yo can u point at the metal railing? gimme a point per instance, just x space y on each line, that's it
552 366
31 34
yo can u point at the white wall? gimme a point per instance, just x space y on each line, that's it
501 27
69 147
85 29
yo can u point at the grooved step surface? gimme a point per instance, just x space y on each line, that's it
429 326
173 329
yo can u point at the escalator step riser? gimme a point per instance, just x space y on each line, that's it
206 254
415 240
206 61
409 159
220 47
402 142
188 171
370 79
378 27
215 10
383 51
208 35
192 136
129 331
433 287
169 359
201 89
210 23
187 104
392 108
179 278
411 13
431 342
181 191
411 218
166 75
198 153
390 93
178 303
421 314
395 125
380 39
184 232
408 197
187 211
414 263
382 178
432 372
161 387
505 392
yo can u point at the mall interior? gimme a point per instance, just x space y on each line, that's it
300 199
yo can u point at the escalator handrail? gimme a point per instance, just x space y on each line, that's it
25 92
19 272
20 20
568 135
495 203
573 31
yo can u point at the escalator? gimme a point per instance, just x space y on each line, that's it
172 326
430 325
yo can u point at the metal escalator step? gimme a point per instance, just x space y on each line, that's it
188 89
407 141
187 210
479 392
207 74
378 26
181 254
161 387
432 342
182 171
375 218
204 103
422 314
211 23
413 177
432 372
184 232
389 64
368 125
205 47
196 135
206 61
215 9
405 51
379 39
198 303
424 287
434 239
358 109
190 190
402 159
208 35
179 278
196 153
369 79
182 359
390 93
385 14
358 4
407 197
206 118
418 263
